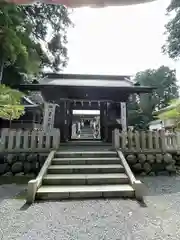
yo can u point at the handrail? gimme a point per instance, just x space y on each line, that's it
137 185
34 184
44 168
127 168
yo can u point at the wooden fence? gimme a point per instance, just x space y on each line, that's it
142 141
29 140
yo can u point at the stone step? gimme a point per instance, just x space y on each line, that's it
86 132
70 154
89 142
88 179
88 137
77 161
85 148
108 168
85 137
93 191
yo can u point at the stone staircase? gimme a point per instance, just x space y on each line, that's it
86 133
85 174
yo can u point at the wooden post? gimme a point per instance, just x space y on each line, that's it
70 120
123 117
106 120
116 138
102 121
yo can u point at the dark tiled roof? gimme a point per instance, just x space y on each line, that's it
85 76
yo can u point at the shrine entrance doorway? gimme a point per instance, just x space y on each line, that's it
86 125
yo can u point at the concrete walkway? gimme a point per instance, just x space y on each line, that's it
94 219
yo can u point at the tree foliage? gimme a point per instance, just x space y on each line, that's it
141 107
10 103
172 113
172 45
164 81
48 24
33 37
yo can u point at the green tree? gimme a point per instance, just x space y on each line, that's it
172 46
11 45
136 116
33 37
49 24
172 112
164 81
10 103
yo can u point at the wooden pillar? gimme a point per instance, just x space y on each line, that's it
69 118
111 117
123 116
106 120
66 125
60 120
34 118
39 117
102 120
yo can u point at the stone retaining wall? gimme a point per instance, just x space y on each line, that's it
143 164
21 164
153 164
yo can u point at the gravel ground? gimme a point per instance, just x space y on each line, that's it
94 219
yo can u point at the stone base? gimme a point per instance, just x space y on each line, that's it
21 165
153 164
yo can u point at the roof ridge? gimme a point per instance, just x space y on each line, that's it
86 76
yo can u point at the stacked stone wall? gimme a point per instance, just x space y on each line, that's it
153 164
21 164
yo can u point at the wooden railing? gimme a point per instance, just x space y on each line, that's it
142 141
29 140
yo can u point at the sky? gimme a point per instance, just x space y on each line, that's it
86 112
118 40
